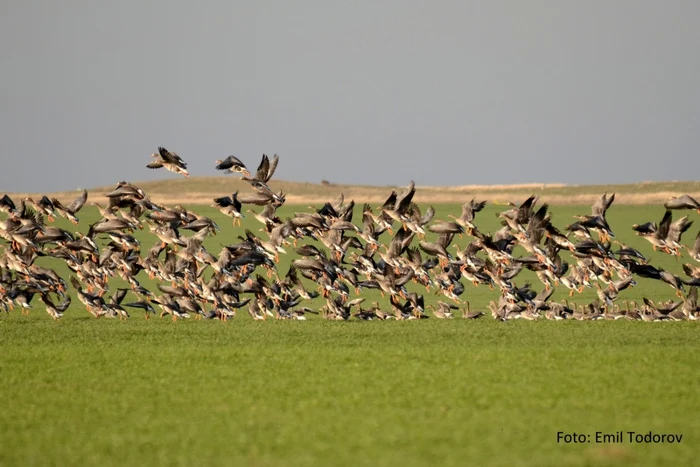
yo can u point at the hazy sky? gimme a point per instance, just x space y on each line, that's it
450 92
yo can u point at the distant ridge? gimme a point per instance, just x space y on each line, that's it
201 190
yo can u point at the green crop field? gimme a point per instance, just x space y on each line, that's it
85 391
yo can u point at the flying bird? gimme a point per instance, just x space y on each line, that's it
170 161
232 165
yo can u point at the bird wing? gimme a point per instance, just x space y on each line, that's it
390 201
263 169
337 205
678 228
682 202
525 209
445 227
272 166
470 208
404 201
664 225
230 161
600 207
171 157
7 201
259 199
119 296
155 165
428 216
78 203
646 228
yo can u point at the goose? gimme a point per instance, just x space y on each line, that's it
126 189
468 314
266 169
656 235
682 202
7 205
230 206
262 198
55 311
399 210
170 161
675 231
70 211
44 206
443 311
232 165
469 210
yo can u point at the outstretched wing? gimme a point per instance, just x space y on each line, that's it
272 166
171 157
78 203
230 161
263 169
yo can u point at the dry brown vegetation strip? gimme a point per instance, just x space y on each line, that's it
202 190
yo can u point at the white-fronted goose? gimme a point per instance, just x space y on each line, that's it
682 202
232 165
170 161
70 211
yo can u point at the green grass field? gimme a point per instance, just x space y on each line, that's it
103 392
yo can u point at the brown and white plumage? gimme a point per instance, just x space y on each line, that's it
70 211
169 161
230 206
601 206
232 165
682 202
266 169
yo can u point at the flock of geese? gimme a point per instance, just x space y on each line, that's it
192 281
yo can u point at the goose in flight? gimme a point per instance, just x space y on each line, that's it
70 211
170 161
232 165
265 171
682 202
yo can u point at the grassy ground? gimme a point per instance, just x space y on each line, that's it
101 392
82 392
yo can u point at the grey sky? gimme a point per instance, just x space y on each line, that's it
451 92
